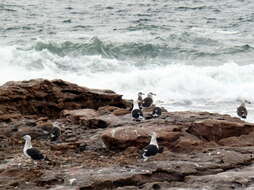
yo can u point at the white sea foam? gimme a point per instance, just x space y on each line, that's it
179 86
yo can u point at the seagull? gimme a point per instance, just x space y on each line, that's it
136 113
140 100
151 149
242 111
55 133
148 101
156 112
31 152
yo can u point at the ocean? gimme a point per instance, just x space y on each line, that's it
196 55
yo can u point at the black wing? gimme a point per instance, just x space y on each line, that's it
55 133
147 102
136 113
242 112
35 154
150 150
156 112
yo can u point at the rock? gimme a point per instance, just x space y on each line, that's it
112 109
214 130
187 142
50 178
139 136
76 116
201 149
85 117
230 179
113 177
92 119
187 132
173 173
106 109
49 98
9 117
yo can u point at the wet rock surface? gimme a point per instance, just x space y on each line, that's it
100 144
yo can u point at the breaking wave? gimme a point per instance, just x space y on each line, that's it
172 81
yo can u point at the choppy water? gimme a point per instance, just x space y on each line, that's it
195 54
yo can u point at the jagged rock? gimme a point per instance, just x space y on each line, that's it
201 149
48 98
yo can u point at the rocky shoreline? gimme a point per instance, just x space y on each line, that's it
100 143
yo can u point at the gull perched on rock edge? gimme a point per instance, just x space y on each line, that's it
151 149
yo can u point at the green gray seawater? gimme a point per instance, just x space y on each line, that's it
195 54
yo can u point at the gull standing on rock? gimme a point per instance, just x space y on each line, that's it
148 101
136 113
31 152
55 133
156 112
242 111
151 149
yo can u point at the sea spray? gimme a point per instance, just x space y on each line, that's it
172 81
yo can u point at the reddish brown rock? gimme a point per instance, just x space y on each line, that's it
187 131
76 116
48 98
85 117
202 149
238 141
114 110
93 119
187 142
214 130
139 136
9 117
